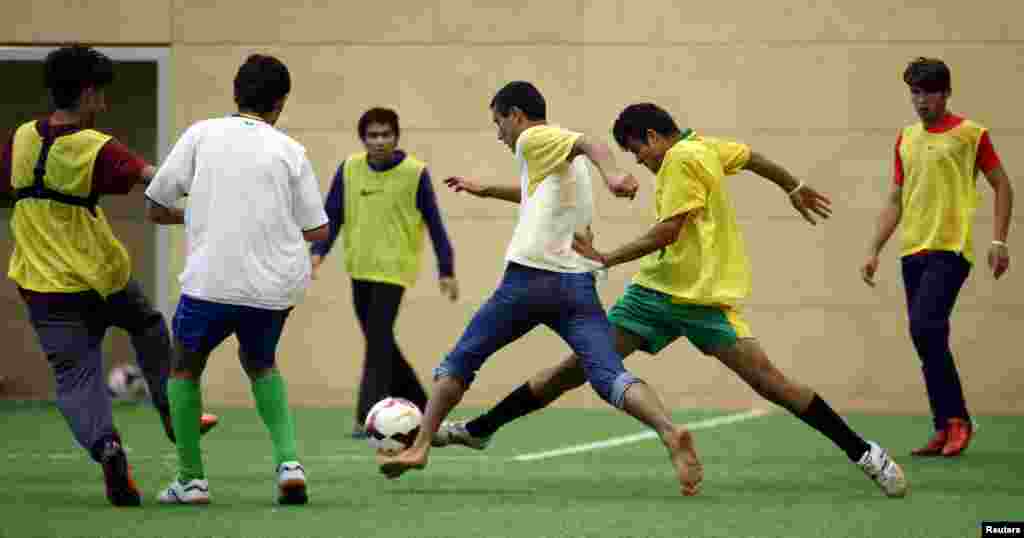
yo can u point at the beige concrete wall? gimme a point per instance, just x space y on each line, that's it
813 84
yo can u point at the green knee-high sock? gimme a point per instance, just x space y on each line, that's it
186 407
271 396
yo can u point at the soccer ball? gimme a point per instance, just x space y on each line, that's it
392 424
127 383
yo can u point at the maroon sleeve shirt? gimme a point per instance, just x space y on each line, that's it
116 171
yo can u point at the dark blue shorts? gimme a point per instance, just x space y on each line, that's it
202 325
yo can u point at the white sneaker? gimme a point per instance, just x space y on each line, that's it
455 433
196 491
291 483
877 464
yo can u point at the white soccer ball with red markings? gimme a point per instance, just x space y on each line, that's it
392 424
127 383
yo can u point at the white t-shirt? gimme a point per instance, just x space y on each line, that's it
251 193
557 199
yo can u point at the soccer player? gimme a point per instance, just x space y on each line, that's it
253 203
694 274
547 282
934 196
381 200
71 271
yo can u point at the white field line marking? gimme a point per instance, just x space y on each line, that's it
637 437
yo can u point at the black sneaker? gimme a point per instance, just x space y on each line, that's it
121 489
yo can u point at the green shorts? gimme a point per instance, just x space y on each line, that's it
660 320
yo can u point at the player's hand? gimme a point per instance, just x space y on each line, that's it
811 204
623 185
998 259
449 288
316 260
461 184
584 245
867 271
586 236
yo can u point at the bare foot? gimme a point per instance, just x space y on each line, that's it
684 459
394 465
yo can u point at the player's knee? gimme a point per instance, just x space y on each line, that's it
62 362
256 373
187 363
612 389
449 369
927 332
923 325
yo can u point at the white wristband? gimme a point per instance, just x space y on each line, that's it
1000 243
796 189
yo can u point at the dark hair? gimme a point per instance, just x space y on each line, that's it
929 74
522 95
378 115
261 82
69 70
634 122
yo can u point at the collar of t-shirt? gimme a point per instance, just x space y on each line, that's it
947 122
396 158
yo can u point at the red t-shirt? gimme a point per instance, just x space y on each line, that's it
986 161
116 171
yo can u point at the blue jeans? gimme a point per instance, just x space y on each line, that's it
565 302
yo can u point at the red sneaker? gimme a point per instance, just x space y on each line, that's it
960 434
934 446
117 475
207 422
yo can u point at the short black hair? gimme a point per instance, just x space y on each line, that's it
378 115
929 74
261 82
69 70
523 95
634 122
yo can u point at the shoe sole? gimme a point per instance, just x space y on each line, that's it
197 502
292 492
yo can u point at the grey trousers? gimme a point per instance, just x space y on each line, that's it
71 328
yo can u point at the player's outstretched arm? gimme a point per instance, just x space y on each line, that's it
500 192
810 203
621 184
999 252
888 220
658 237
